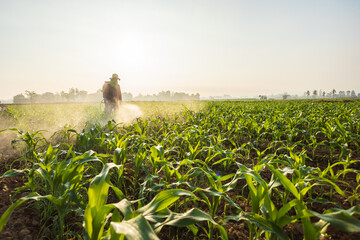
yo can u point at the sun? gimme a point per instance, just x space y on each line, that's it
133 51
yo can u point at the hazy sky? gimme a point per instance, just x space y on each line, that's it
241 48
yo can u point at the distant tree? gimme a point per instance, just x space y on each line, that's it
65 96
32 95
164 95
341 94
197 96
140 96
308 93
262 97
333 92
179 96
127 96
285 96
19 98
73 93
57 97
167 96
323 93
315 93
82 95
95 97
348 93
47 97
353 94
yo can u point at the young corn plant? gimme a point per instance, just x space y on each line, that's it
59 181
34 141
212 197
156 158
264 219
310 231
143 223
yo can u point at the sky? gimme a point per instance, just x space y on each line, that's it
212 47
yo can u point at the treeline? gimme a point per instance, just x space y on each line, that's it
314 94
164 96
333 93
76 95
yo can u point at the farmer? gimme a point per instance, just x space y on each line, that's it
112 94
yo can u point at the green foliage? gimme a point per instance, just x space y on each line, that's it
266 164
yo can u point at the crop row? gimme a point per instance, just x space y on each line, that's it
264 168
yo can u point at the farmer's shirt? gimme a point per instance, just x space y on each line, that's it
111 91
114 83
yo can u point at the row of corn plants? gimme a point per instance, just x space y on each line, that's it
271 165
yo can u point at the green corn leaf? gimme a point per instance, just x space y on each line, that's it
260 222
98 189
118 192
6 215
226 177
137 128
215 193
96 211
285 181
193 229
221 160
340 127
135 229
342 219
251 173
13 173
118 155
286 208
281 218
309 229
158 218
336 187
223 232
95 220
192 216
164 199
86 157
111 234
125 207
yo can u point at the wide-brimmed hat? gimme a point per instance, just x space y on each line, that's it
115 76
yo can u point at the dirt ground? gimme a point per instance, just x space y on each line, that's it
24 223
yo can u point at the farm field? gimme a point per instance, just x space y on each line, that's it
181 170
